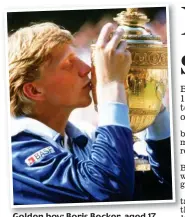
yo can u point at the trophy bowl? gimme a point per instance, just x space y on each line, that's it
147 79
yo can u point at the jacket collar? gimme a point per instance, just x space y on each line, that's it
36 127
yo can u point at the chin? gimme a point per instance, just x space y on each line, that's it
86 102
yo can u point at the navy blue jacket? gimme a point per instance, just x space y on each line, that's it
47 170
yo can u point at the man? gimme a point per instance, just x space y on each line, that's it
53 161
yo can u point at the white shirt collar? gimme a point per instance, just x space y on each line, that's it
38 128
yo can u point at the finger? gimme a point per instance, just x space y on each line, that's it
122 46
128 56
115 40
125 55
104 36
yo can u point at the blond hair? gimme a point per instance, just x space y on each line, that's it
29 48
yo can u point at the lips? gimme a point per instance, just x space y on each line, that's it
88 84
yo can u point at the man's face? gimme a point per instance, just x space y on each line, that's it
64 80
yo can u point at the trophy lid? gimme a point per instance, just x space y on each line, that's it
134 23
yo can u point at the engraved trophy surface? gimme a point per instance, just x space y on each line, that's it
147 79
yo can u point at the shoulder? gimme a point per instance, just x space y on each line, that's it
31 137
33 150
27 140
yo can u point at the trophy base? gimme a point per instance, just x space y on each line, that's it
142 165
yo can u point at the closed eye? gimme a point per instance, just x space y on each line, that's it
68 62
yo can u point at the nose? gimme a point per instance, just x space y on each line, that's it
84 69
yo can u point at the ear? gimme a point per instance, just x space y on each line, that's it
33 92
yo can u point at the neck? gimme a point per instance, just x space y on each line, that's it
55 118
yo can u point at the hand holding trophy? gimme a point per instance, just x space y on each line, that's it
111 58
146 81
112 62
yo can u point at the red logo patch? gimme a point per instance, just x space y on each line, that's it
39 155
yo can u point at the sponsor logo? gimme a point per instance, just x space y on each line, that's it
39 155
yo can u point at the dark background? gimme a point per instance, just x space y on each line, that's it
73 19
